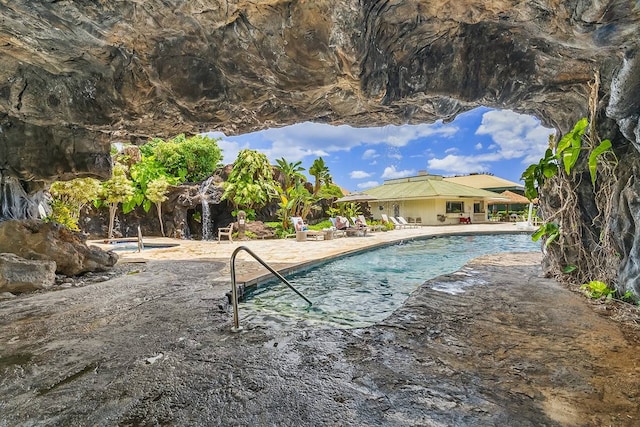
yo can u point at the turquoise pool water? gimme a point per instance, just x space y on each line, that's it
362 289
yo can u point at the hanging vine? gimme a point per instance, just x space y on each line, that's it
575 181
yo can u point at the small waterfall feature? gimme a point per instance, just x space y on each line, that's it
206 211
15 203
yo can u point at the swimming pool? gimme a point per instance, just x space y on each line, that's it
365 288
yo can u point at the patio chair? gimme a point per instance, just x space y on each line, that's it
302 230
372 227
392 220
226 231
397 223
405 223
359 225
336 232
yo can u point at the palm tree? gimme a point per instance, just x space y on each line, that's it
320 172
292 173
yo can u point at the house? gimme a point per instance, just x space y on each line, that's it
511 191
487 182
432 199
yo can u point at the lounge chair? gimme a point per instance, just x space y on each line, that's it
397 223
302 230
360 226
348 228
226 231
392 220
405 223
372 227
336 232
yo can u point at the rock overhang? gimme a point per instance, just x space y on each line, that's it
79 75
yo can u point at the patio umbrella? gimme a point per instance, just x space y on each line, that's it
511 198
356 197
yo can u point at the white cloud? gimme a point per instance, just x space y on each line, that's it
390 172
368 184
316 139
453 164
291 152
451 150
396 156
516 135
399 136
359 174
478 146
230 150
370 154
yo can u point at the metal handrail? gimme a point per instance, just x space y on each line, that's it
234 290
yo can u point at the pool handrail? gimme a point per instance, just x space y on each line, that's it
234 289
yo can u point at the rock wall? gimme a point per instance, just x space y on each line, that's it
78 75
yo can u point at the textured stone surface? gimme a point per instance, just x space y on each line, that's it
77 75
155 348
37 240
23 275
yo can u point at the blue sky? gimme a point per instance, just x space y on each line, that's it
500 142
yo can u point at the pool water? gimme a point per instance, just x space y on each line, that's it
365 288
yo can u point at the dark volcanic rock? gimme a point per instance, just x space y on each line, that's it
78 75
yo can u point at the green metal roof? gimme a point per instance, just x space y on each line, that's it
424 187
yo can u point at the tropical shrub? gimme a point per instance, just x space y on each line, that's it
119 189
190 159
250 184
68 199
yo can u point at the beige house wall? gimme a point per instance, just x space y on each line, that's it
429 211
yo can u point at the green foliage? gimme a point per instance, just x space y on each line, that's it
250 213
550 230
157 193
119 188
250 235
330 191
347 209
63 213
630 297
596 289
69 197
320 172
568 149
190 159
536 174
157 190
569 269
292 173
250 184
603 147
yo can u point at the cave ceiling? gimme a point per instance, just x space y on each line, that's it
78 75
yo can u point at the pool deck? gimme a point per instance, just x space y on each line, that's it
287 255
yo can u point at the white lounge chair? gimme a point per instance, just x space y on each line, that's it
405 223
302 230
392 220
376 227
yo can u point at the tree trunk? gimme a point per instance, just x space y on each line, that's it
113 207
159 208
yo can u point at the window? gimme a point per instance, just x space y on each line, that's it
478 207
455 207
